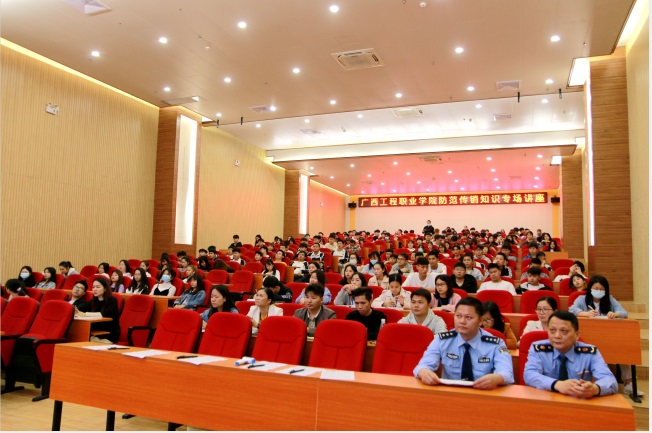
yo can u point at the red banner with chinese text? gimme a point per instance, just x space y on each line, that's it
454 199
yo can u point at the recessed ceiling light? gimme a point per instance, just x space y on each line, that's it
333 102
334 9
312 168
555 38
360 116
195 98
362 192
408 173
258 125
218 114
393 190
348 184
332 177
242 25
555 160
549 81
423 4
495 179
459 50
493 170
488 158
536 186
369 175
352 165
470 88
419 182
399 95
95 53
544 101
536 177
163 40
497 187
272 108
166 89
382 183
296 70
450 171
227 79
427 189
456 180
537 168
395 163
462 188
478 105
306 120
539 156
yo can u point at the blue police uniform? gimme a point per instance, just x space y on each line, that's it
488 355
583 362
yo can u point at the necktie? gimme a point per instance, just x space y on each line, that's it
467 365
563 372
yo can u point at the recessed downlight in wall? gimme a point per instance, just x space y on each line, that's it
306 121
544 101
360 116
537 168
332 177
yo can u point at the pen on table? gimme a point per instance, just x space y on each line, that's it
297 371
186 356
255 365
117 348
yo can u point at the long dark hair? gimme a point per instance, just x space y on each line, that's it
450 292
605 302
143 286
120 282
95 302
203 263
53 275
200 284
492 308
29 281
344 281
228 303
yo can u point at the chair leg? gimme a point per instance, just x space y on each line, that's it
127 416
110 420
634 395
173 426
45 389
56 415
10 383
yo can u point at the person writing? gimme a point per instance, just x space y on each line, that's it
471 354
562 364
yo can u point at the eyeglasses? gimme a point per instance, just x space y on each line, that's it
487 320
543 310
441 284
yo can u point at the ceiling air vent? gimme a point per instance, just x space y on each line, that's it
260 109
310 131
367 182
358 59
434 159
405 113
89 7
184 100
514 85
498 117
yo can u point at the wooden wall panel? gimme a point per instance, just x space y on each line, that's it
246 200
572 205
291 209
327 208
612 254
77 186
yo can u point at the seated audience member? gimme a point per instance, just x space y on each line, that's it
279 256
577 283
494 320
507 250
15 287
345 296
66 269
263 308
117 282
536 263
165 286
300 266
270 271
280 292
421 314
392 259
562 364
347 273
26 276
421 278
221 265
144 264
545 307
501 261
103 269
317 277
461 280
314 312
236 257
202 252
544 261
444 297
354 260
139 284
78 293
194 295
402 266
410 246
434 267
49 281
457 252
576 268
315 254
465 350
236 242
374 258
380 278
478 253
469 267
203 263
533 249
496 283
125 268
365 314
164 261
103 304
395 296
552 246
441 249
533 278
529 239
220 303
341 253
312 267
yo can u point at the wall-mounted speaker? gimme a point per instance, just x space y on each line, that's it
353 205
555 200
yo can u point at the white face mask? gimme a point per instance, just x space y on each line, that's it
598 294
24 275
353 261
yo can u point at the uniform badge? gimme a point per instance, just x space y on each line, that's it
591 350
447 335
452 356
488 339
543 348
484 360
503 350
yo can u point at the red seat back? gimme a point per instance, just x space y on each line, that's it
233 265
565 287
558 263
333 277
137 311
282 270
3 304
59 280
339 344
334 289
226 334
255 267
33 293
178 285
281 339
393 315
328 261
564 270
296 288
400 347
53 320
574 295
242 282
88 270
38 277
54 295
133 264
218 276
524 347
461 292
289 308
503 298
71 280
16 319
530 298
119 300
447 317
177 331
526 319
341 311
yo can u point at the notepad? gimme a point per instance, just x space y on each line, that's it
145 353
202 360
338 375
105 347
452 382
305 371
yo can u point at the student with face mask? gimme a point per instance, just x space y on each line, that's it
26 276
165 286
374 258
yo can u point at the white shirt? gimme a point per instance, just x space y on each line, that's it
503 285
413 280
441 270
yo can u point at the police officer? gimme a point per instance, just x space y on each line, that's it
467 353
562 364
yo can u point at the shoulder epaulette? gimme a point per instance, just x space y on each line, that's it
447 335
543 347
490 339
591 350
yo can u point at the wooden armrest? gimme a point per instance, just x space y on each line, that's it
96 333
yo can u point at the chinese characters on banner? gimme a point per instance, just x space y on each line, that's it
454 199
